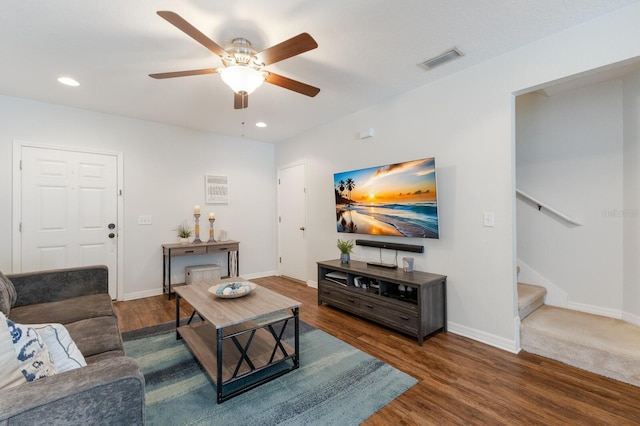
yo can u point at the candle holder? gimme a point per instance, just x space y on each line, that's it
197 239
211 239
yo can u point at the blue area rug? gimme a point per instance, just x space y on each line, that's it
336 384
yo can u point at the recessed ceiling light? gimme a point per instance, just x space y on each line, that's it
68 81
261 124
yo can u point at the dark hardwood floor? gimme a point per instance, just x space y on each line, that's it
460 381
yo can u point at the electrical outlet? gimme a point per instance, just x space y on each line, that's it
144 220
488 219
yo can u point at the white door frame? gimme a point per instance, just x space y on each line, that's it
280 242
16 241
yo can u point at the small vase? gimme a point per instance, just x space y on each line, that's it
184 241
344 258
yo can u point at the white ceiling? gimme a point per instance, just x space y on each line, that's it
368 51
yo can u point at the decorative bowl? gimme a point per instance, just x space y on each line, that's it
232 290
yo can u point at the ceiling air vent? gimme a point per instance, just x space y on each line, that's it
447 56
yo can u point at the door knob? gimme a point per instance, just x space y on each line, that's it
111 235
302 228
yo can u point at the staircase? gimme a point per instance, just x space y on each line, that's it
602 345
530 298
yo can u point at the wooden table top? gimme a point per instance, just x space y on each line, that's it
222 312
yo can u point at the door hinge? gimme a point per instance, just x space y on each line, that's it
279 219
20 164
280 259
278 181
20 227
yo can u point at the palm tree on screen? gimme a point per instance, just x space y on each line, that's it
350 184
341 187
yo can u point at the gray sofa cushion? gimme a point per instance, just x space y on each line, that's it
60 284
7 294
96 335
64 311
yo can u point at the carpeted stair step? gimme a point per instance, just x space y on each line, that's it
530 298
602 345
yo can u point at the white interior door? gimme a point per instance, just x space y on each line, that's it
292 221
69 211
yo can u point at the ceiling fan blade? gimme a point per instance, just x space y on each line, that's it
288 48
290 84
240 101
179 22
183 73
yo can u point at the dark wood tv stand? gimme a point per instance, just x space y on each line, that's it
419 311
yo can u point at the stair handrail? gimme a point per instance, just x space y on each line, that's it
542 205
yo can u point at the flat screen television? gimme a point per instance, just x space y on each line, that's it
396 199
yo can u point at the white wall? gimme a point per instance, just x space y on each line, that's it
467 122
631 239
164 168
569 148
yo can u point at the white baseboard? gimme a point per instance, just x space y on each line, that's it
606 312
309 283
596 310
142 294
631 318
482 337
260 275
516 332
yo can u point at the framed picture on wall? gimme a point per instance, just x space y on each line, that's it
216 189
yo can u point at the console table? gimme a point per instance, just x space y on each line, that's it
414 303
171 250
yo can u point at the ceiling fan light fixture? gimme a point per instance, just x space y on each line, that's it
242 79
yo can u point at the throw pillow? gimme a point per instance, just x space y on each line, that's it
8 294
10 374
32 353
66 355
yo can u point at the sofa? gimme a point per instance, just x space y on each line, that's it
109 389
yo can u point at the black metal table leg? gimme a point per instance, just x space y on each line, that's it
164 271
219 366
296 320
177 315
169 276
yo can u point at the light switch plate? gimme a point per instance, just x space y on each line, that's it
488 219
144 220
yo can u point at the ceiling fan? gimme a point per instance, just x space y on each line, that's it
243 67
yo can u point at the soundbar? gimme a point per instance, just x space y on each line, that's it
391 246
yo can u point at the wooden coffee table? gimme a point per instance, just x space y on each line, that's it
239 342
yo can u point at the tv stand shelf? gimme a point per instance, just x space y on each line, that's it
414 303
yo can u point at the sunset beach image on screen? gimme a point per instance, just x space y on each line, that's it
395 199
